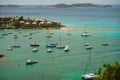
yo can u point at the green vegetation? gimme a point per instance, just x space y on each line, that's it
27 23
111 72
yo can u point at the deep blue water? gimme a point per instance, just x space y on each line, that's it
73 17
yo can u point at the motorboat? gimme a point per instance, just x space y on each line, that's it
30 62
89 47
49 50
66 48
10 48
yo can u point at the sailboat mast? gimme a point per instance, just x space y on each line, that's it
89 65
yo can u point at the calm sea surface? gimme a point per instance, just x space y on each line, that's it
102 23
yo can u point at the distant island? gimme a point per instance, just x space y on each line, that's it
61 5
10 5
28 23
78 5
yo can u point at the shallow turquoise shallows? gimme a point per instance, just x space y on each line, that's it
58 65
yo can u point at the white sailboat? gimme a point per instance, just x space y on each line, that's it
60 46
104 43
49 35
15 45
85 34
50 44
90 75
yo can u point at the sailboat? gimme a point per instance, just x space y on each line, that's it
35 44
15 45
49 35
51 44
104 43
60 46
85 34
90 75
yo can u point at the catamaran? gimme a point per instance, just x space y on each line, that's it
90 75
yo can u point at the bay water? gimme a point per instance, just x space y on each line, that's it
101 23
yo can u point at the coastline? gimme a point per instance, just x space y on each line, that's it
66 29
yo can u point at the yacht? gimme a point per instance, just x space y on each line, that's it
35 50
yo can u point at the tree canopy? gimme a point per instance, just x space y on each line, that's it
111 72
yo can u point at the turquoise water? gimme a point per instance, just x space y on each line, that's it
58 65
102 23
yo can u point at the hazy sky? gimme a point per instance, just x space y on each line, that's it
41 2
